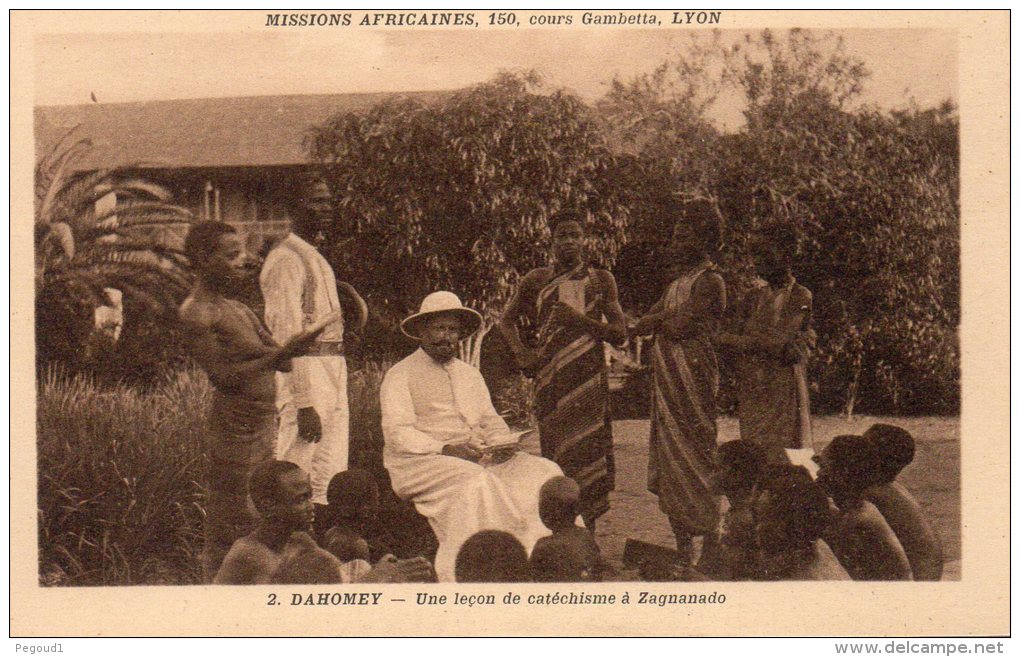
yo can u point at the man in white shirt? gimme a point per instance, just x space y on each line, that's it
439 426
300 289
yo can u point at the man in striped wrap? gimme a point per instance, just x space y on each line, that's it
685 382
575 309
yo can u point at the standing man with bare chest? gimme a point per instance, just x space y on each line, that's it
300 289
240 357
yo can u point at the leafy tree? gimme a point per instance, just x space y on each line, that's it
83 254
873 196
671 154
455 194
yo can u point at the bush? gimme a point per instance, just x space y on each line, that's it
120 472
366 416
82 253
872 197
513 396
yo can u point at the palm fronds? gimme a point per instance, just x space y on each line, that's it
83 250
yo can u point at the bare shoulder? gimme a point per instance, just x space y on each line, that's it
868 519
892 497
199 314
712 277
605 277
244 563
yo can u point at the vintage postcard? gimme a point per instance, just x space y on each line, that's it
510 322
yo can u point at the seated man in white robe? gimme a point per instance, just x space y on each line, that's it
439 425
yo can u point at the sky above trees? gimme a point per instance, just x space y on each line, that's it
918 64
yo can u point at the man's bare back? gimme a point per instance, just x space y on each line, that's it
907 520
866 546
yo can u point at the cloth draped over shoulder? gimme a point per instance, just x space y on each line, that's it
572 390
683 428
772 390
299 287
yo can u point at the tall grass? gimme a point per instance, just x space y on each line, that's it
120 480
122 471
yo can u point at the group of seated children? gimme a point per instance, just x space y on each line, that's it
569 554
281 550
853 521
287 547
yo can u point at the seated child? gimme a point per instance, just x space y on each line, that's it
492 556
893 449
353 505
740 465
860 537
570 554
282 494
790 514
352 511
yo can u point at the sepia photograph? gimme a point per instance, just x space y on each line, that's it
352 305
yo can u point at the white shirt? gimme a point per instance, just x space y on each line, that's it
426 405
299 288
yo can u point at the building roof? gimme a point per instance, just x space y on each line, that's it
201 132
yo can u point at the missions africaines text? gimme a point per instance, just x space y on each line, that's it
434 19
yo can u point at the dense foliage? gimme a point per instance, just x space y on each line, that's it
121 496
122 474
455 194
872 196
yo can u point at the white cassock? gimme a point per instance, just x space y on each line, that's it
299 288
426 405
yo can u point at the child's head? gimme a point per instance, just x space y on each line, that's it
282 494
740 466
846 466
346 544
492 556
790 510
217 253
353 496
557 502
562 558
893 449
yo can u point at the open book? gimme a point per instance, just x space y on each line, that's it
805 457
504 440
